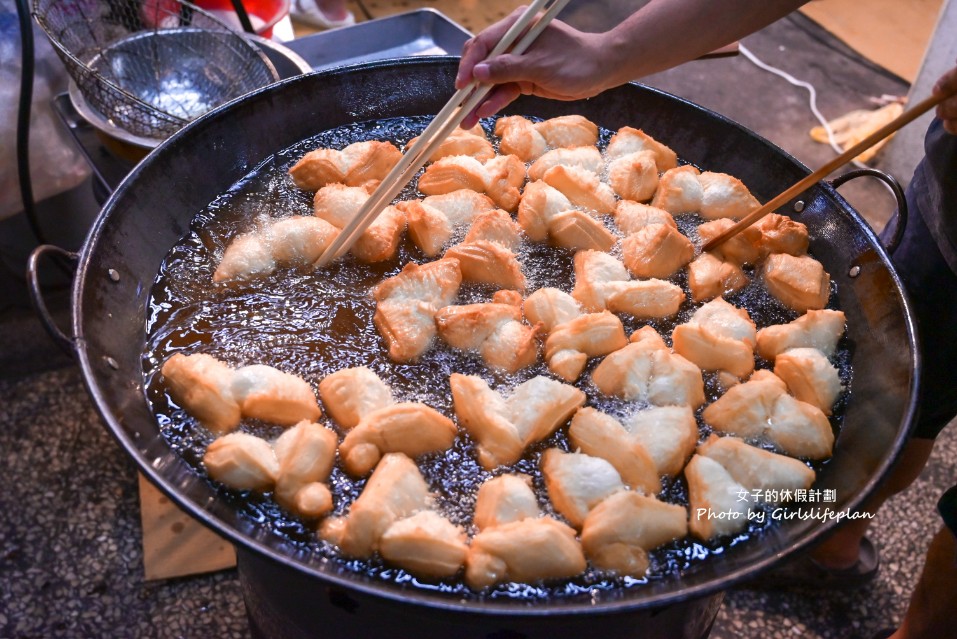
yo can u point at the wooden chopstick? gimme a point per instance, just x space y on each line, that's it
460 105
904 118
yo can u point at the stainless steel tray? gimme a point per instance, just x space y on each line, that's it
419 32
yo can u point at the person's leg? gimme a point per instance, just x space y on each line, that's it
841 548
930 614
932 288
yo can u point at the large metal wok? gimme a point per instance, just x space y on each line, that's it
288 590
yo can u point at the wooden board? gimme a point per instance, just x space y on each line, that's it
891 33
174 544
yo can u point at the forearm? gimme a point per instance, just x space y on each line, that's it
666 33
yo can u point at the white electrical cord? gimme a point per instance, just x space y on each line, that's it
812 102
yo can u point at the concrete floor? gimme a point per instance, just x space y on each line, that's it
71 558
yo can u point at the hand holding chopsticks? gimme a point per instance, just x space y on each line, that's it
462 103
812 179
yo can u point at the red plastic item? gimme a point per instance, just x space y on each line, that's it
263 14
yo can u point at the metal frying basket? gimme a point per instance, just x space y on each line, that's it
151 66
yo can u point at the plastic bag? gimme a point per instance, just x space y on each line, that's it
56 165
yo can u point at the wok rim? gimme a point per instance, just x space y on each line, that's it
631 599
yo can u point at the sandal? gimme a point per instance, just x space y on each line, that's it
309 12
804 572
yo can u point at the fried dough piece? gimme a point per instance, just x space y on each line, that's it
710 277
546 212
506 175
739 249
550 307
599 435
781 234
488 263
771 234
679 191
630 140
656 251
715 506
646 370
219 396
505 499
667 433
725 196
202 385
297 464
567 131
520 138
577 482
494 330
497 227
425 544
631 217
306 454
406 305
359 164
395 490
711 195
820 329
461 142
271 395
644 299
500 178
528 550
718 337
248 256
292 241
529 140
619 531
468 327
242 461
634 176
434 219
762 409
756 468
411 428
569 345
352 393
601 282
810 377
594 271
578 230
573 335
540 203
338 204
312 501
582 157
503 427
725 472
800 283
582 188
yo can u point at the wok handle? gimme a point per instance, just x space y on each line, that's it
36 294
895 188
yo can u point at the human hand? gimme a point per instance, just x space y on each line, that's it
947 110
562 64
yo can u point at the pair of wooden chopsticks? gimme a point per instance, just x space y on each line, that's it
812 179
462 103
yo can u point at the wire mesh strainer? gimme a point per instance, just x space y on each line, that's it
151 66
